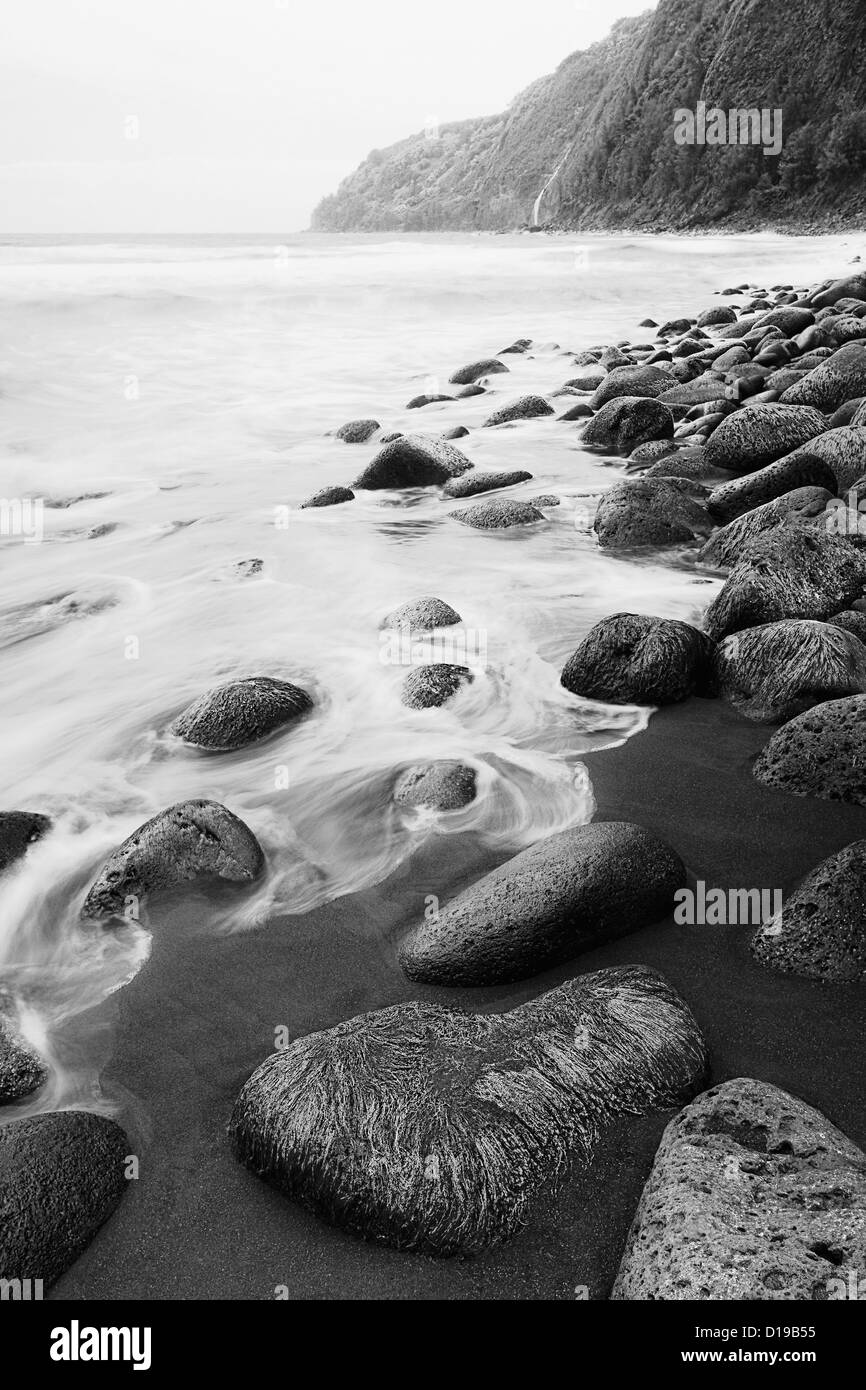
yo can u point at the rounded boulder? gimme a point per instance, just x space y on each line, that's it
564 895
632 659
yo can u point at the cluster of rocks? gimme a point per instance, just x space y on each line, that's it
743 429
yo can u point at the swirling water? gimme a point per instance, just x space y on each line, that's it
169 401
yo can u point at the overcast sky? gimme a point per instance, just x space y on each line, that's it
238 115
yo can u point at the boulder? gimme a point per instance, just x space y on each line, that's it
802 469
412 460
61 1176
456 432
580 411
468 375
426 399
498 514
843 450
239 713
740 328
731 357
329 497
760 434
429 1129
652 451
821 753
469 484
422 614
725 547
752 1195
711 317
849 287
544 499
833 381
852 621
524 408
792 571
849 413
357 431
774 672
624 423
635 382
837 330
613 357
190 841
22 1070
706 387
588 380
443 786
685 464
783 378
689 347
18 829
632 659
427 686
789 319
648 512
821 930
674 327
564 895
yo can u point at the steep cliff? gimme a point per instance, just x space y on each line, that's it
592 145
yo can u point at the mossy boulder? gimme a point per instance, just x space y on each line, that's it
760 434
774 672
725 547
792 571
633 659
415 1125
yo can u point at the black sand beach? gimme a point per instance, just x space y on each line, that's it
201 1014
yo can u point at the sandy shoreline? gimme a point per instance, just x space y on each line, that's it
200 1017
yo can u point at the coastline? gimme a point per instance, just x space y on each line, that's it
205 1009
200 1016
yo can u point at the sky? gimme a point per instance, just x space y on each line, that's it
239 115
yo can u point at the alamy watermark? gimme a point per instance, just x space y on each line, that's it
846 518
24 517
726 907
741 126
400 646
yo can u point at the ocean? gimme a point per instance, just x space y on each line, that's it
167 403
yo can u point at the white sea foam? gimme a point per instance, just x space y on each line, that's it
194 385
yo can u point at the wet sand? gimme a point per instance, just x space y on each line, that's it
201 1015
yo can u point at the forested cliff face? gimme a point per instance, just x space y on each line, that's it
596 138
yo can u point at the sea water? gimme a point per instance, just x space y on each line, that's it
166 404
